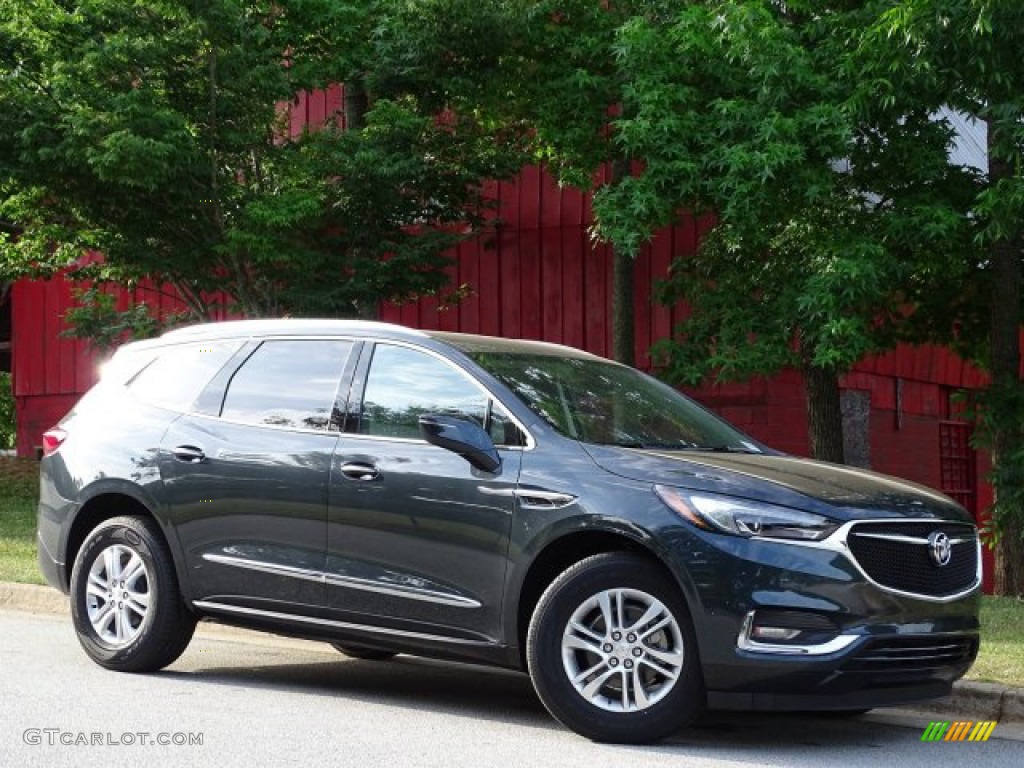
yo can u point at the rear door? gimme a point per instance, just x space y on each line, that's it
417 538
246 475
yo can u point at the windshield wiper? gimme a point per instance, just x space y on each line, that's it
679 446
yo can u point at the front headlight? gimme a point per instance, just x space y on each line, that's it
745 518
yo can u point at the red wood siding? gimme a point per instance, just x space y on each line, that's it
50 371
538 276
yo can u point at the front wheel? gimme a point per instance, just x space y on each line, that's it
125 601
612 652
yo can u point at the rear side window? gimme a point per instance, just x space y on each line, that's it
289 384
178 374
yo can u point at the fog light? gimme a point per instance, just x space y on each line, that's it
774 634
791 631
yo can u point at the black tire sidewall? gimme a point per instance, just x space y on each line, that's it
544 656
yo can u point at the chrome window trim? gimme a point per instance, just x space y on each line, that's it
276 427
210 605
416 440
530 442
745 642
411 593
838 542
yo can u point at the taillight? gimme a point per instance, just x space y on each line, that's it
52 440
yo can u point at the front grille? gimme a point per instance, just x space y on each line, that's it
914 654
907 566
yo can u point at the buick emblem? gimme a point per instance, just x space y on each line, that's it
939 548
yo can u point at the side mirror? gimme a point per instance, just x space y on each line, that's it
463 437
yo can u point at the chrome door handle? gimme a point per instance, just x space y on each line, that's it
358 471
188 454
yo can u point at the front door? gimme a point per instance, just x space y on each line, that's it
417 538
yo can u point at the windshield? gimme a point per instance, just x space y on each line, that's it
601 402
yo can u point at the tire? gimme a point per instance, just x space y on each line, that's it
593 708
150 626
361 652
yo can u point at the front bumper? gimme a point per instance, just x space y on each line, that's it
885 647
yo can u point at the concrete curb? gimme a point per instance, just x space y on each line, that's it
979 701
970 700
32 598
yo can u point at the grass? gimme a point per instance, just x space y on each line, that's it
19 491
1001 658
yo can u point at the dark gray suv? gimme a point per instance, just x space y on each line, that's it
505 502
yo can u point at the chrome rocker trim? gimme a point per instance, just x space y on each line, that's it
215 607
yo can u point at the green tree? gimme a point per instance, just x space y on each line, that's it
841 226
968 53
154 133
544 71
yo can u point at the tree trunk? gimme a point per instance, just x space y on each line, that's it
368 311
824 415
357 102
623 279
1004 338
623 318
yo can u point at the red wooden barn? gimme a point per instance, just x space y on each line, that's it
540 277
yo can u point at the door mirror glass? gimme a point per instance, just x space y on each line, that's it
463 437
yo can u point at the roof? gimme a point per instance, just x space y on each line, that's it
473 343
289 327
468 343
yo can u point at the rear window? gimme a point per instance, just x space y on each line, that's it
291 384
178 374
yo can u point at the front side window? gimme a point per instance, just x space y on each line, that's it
289 384
178 374
404 384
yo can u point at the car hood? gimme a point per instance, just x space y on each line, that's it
830 489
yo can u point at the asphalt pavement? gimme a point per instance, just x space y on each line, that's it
246 699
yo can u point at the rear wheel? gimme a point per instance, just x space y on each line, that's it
361 652
612 652
125 602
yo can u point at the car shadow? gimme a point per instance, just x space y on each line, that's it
410 682
482 693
